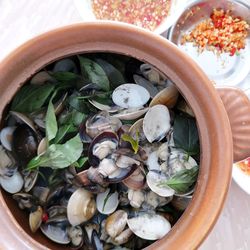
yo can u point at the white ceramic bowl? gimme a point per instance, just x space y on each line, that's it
177 6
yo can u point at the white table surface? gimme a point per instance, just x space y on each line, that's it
21 20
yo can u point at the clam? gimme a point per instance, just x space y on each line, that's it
116 223
23 119
155 180
41 193
76 236
152 200
12 184
156 123
149 86
35 219
122 238
149 226
42 146
104 107
81 207
107 167
137 130
56 211
56 231
8 165
25 200
150 73
152 162
130 114
136 180
24 144
124 161
102 122
6 137
130 96
41 78
181 202
96 242
184 107
30 178
168 97
102 146
107 202
136 198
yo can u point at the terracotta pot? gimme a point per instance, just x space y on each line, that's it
213 123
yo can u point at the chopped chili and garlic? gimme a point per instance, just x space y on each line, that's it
221 32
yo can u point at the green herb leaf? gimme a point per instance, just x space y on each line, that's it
63 131
59 155
93 73
182 180
31 97
80 163
114 75
186 134
134 143
65 76
50 122
105 200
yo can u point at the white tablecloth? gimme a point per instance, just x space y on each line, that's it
21 20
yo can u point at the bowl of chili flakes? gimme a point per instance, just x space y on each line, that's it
157 16
216 35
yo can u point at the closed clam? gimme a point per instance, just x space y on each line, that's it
149 226
6 137
81 207
12 184
156 123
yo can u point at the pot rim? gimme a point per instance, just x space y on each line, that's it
213 124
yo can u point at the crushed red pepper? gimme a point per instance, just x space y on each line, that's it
147 14
221 31
244 165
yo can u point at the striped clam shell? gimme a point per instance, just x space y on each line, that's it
237 106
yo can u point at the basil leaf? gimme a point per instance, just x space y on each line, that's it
115 77
93 73
59 155
80 163
31 97
134 143
182 180
50 122
63 131
65 76
186 134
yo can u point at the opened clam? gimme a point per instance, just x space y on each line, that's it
130 96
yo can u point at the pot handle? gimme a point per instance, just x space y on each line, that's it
237 106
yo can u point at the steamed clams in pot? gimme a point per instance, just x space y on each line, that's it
97 161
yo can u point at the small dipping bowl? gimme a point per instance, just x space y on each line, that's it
222 69
85 10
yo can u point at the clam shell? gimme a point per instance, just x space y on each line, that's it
149 226
35 219
167 97
130 95
81 207
116 223
130 114
24 119
12 184
154 180
42 146
237 106
41 78
156 123
6 136
107 202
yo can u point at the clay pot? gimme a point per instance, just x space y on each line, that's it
213 123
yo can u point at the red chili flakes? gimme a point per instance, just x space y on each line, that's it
244 165
221 32
147 14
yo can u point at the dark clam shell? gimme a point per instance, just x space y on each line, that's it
25 143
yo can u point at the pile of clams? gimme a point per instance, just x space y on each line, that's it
100 151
